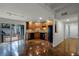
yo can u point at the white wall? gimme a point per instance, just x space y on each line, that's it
58 37
72 16
73 30
73 25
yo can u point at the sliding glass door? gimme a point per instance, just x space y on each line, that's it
5 32
11 32
17 32
11 39
17 35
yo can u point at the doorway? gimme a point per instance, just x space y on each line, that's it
71 38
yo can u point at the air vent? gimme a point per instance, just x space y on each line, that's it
63 14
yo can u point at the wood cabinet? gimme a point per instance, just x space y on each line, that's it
40 30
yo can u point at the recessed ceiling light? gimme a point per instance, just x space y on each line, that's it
68 20
40 18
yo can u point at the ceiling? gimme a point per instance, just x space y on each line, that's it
23 11
63 11
57 6
28 11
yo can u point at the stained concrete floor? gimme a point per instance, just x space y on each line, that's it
11 49
16 48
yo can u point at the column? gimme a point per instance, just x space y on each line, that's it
77 49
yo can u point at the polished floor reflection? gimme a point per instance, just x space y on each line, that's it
11 49
69 47
36 48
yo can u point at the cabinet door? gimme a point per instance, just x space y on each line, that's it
42 36
31 36
37 35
